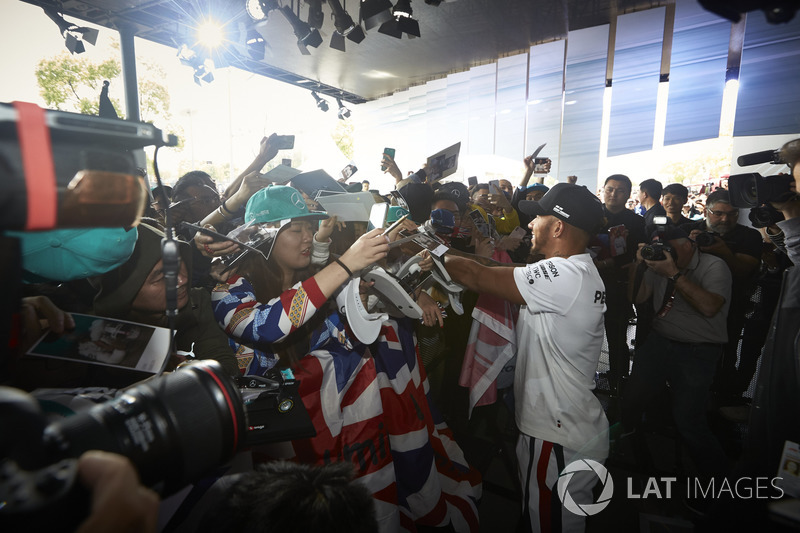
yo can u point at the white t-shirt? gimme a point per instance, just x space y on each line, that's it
559 338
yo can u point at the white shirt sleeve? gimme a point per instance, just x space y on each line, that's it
549 286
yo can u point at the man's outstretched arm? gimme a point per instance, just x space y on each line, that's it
497 281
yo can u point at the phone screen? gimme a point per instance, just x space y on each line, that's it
377 215
284 142
540 165
472 180
390 153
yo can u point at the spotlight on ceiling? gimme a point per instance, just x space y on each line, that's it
401 21
375 12
345 27
255 44
203 69
74 36
210 34
306 35
259 9
315 15
343 111
321 104
433 2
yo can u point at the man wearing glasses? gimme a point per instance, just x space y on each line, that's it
612 260
740 248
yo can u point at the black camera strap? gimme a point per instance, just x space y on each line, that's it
668 301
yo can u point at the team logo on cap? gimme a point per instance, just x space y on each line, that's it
297 200
560 210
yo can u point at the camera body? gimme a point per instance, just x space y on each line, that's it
657 251
658 248
753 189
706 238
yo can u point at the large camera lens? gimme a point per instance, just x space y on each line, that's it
651 253
174 429
705 239
753 189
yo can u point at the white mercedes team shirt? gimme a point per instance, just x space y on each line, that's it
559 338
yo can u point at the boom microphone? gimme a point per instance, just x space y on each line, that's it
756 158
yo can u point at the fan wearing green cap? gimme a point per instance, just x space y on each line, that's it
277 307
270 301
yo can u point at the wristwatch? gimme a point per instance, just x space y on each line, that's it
676 276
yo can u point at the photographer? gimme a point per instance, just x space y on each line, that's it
740 248
691 293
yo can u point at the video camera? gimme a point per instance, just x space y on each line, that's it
752 189
60 169
175 429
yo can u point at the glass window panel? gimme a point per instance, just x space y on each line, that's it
482 87
637 66
509 136
583 98
457 109
697 74
545 91
768 93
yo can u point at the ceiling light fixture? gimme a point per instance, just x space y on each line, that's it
343 111
321 104
401 21
375 12
259 9
345 27
306 35
255 44
315 15
210 34
203 69
74 35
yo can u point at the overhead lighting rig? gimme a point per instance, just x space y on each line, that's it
321 103
343 111
74 35
306 35
401 21
345 27
375 12
315 15
203 69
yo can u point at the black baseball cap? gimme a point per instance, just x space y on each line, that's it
574 204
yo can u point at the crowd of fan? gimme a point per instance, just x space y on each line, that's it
247 318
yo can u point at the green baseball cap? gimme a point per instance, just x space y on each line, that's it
68 254
395 212
278 204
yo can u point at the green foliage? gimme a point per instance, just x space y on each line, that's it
343 137
73 83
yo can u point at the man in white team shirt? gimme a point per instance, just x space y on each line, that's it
559 338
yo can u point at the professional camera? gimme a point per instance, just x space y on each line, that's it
657 251
175 429
764 216
658 248
706 238
753 189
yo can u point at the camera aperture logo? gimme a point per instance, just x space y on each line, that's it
585 509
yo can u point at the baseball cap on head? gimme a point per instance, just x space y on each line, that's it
536 187
278 204
574 204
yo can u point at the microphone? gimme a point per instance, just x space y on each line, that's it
171 265
756 158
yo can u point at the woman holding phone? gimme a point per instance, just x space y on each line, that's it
278 307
